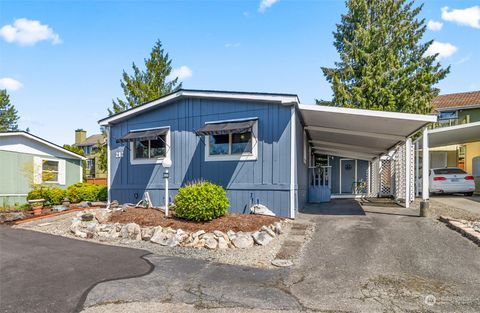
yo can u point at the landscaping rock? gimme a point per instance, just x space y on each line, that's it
99 204
198 233
222 243
91 227
282 263
261 209
160 237
243 241
75 224
80 234
102 216
114 204
278 228
231 235
131 231
191 242
173 241
147 233
269 231
59 208
262 238
210 241
11 216
86 217
83 205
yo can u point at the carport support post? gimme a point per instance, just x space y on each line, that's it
425 171
417 168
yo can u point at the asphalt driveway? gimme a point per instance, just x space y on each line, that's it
374 258
46 273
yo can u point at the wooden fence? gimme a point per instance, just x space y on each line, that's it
97 181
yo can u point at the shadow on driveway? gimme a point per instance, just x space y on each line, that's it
46 273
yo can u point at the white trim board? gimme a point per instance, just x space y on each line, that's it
283 99
16 148
293 153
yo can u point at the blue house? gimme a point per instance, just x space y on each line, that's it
263 148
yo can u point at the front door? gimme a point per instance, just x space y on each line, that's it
347 175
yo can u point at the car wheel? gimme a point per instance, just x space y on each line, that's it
469 194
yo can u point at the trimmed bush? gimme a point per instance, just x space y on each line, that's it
52 195
102 193
83 192
201 201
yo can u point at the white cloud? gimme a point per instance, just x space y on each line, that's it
27 32
232 45
265 4
469 16
434 25
10 84
183 72
444 49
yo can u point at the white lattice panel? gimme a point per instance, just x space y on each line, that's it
385 173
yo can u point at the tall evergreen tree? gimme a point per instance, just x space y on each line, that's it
144 86
8 113
382 64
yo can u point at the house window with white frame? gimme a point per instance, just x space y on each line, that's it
50 170
150 149
231 144
230 140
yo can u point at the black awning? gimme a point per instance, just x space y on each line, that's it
143 135
239 127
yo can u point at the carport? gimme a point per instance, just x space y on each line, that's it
384 139
444 136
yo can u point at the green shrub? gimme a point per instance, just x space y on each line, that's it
55 195
201 201
83 192
52 195
36 193
102 193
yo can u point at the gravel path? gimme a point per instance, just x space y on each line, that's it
257 256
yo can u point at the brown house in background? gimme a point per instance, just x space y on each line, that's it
90 145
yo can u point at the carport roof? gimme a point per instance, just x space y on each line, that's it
356 133
453 135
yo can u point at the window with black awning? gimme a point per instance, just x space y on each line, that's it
151 134
224 128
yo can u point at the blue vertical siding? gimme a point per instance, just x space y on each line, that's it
301 180
265 180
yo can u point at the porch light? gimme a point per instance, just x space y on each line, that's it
166 163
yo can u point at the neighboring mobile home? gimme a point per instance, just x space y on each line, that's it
262 148
26 159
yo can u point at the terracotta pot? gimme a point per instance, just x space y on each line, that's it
37 210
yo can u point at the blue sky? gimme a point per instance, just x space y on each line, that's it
62 60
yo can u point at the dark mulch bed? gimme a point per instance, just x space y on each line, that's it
153 217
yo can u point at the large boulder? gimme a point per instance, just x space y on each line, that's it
11 216
261 209
243 241
210 241
222 243
160 237
262 238
102 216
147 233
131 231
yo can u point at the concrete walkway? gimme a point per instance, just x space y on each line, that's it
46 273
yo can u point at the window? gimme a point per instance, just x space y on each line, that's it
233 146
150 149
447 171
49 171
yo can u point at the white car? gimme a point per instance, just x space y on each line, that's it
451 180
